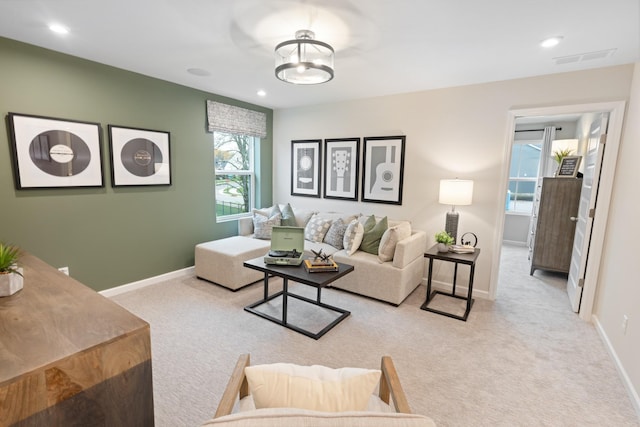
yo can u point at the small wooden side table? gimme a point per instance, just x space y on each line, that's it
468 259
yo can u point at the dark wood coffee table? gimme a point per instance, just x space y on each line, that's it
297 274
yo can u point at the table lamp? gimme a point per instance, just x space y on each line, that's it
455 192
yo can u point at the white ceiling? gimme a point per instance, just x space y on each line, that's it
382 46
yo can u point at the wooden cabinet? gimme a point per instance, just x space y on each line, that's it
71 357
552 226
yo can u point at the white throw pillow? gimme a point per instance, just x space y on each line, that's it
353 237
390 239
263 224
316 228
318 388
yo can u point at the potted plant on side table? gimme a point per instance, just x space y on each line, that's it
11 280
444 240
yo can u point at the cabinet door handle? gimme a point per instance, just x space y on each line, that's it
573 218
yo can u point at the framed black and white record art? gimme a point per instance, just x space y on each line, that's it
341 161
139 156
54 153
305 167
382 177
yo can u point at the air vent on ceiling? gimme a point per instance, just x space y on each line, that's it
588 56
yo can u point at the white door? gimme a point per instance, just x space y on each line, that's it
586 209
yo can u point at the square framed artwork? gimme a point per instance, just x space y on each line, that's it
305 167
382 178
341 162
54 153
139 156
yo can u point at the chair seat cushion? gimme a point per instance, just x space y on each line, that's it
287 417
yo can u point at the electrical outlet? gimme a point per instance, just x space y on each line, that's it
65 270
625 320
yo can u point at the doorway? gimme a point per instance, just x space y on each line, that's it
616 112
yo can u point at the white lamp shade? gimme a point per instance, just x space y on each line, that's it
456 192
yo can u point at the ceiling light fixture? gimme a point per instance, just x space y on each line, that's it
59 29
304 61
551 41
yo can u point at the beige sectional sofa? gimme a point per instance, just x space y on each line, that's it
389 277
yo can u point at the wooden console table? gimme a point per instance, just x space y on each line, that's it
71 357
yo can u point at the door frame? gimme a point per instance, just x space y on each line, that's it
616 110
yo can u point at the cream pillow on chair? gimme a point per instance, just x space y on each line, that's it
318 388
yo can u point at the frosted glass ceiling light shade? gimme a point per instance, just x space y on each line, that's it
455 192
304 61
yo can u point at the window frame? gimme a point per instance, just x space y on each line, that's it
251 173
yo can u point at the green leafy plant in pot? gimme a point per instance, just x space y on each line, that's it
444 240
11 279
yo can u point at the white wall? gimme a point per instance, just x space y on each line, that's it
454 132
619 283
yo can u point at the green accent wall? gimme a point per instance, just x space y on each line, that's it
114 236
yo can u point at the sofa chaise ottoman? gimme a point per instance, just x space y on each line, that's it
220 261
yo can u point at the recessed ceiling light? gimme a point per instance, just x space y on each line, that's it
262 93
551 41
59 29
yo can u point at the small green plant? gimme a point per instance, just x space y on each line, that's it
9 256
558 155
444 237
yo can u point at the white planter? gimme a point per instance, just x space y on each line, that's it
10 283
443 247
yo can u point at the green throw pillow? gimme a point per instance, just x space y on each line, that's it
372 236
288 218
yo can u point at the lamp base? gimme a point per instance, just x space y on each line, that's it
451 225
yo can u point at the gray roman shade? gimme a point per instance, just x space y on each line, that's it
236 120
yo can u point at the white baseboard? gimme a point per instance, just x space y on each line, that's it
189 271
633 393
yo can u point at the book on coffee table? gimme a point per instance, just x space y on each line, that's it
317 266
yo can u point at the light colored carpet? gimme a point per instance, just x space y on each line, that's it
523 360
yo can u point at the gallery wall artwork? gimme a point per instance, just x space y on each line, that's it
54 153
341 161
139 156
382 179
305 167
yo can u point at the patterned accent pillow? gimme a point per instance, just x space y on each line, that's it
316 228
335 235
353 237
263 225
288 217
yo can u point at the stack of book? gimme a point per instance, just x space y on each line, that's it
317 265
462 249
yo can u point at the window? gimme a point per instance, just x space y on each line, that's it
523 176
235 174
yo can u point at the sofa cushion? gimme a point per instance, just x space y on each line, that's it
335 235
318 388
371 238
263 224
353 237
303 216
316 228
390 239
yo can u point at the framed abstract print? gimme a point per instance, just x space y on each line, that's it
382 177
341 161
139 157
305 167
55 153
